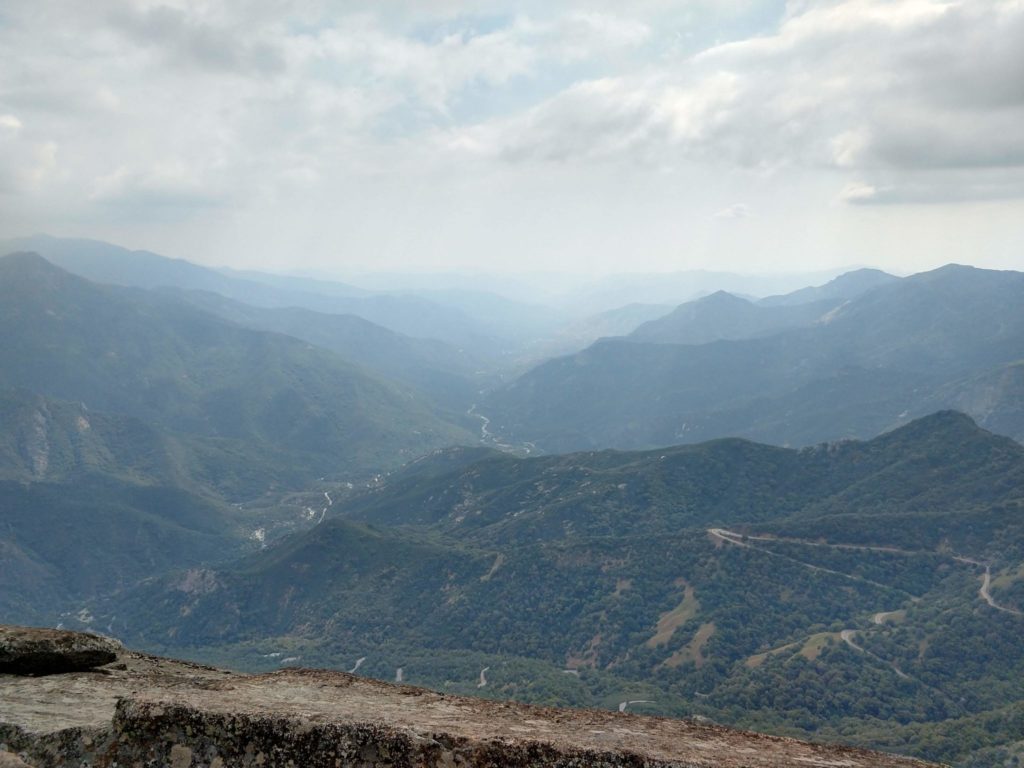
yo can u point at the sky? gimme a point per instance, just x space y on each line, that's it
596 137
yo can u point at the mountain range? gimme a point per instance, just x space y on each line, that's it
791 374
186 370
133 424
477 322
823 592
255 470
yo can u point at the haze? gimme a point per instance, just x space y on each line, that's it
597 137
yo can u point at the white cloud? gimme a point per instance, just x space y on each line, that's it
862 85
644 117
9 124
735 211
859 192
581 130
169 184
42 165
436 70
184 38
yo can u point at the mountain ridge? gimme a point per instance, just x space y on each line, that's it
863 368
717 568
149 356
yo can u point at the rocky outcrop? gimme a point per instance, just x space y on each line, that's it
146 711
30 651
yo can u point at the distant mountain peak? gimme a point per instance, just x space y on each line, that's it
855 275
945 426
22 259
724 298
947 271
846 286
32 269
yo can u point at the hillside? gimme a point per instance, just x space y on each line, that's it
139 435
447 375
172 365
868 365
727 580
724 316
93 502
107 263
842 288
103 262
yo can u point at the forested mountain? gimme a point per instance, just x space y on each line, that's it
607 292
209 477
405 314
824 591
871 363
111 264
134 425
92 502
846 286
449 376
173 365
724 316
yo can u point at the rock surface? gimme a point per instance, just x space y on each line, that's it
153 712
31 651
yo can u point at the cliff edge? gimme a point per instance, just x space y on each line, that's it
141 710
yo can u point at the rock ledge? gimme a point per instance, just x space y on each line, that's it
30 651
152 712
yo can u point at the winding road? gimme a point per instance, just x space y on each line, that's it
986 582
740 540
848 634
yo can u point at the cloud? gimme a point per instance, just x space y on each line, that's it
433 71
184 40
578 130
644 118
735 211
9 125
864 86
859 192
167 185
932 187
183 106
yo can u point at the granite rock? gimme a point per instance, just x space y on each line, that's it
36 651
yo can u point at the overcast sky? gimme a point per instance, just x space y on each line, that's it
604 136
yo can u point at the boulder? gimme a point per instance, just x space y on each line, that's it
37 651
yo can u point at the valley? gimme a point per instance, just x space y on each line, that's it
262 486
627 588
